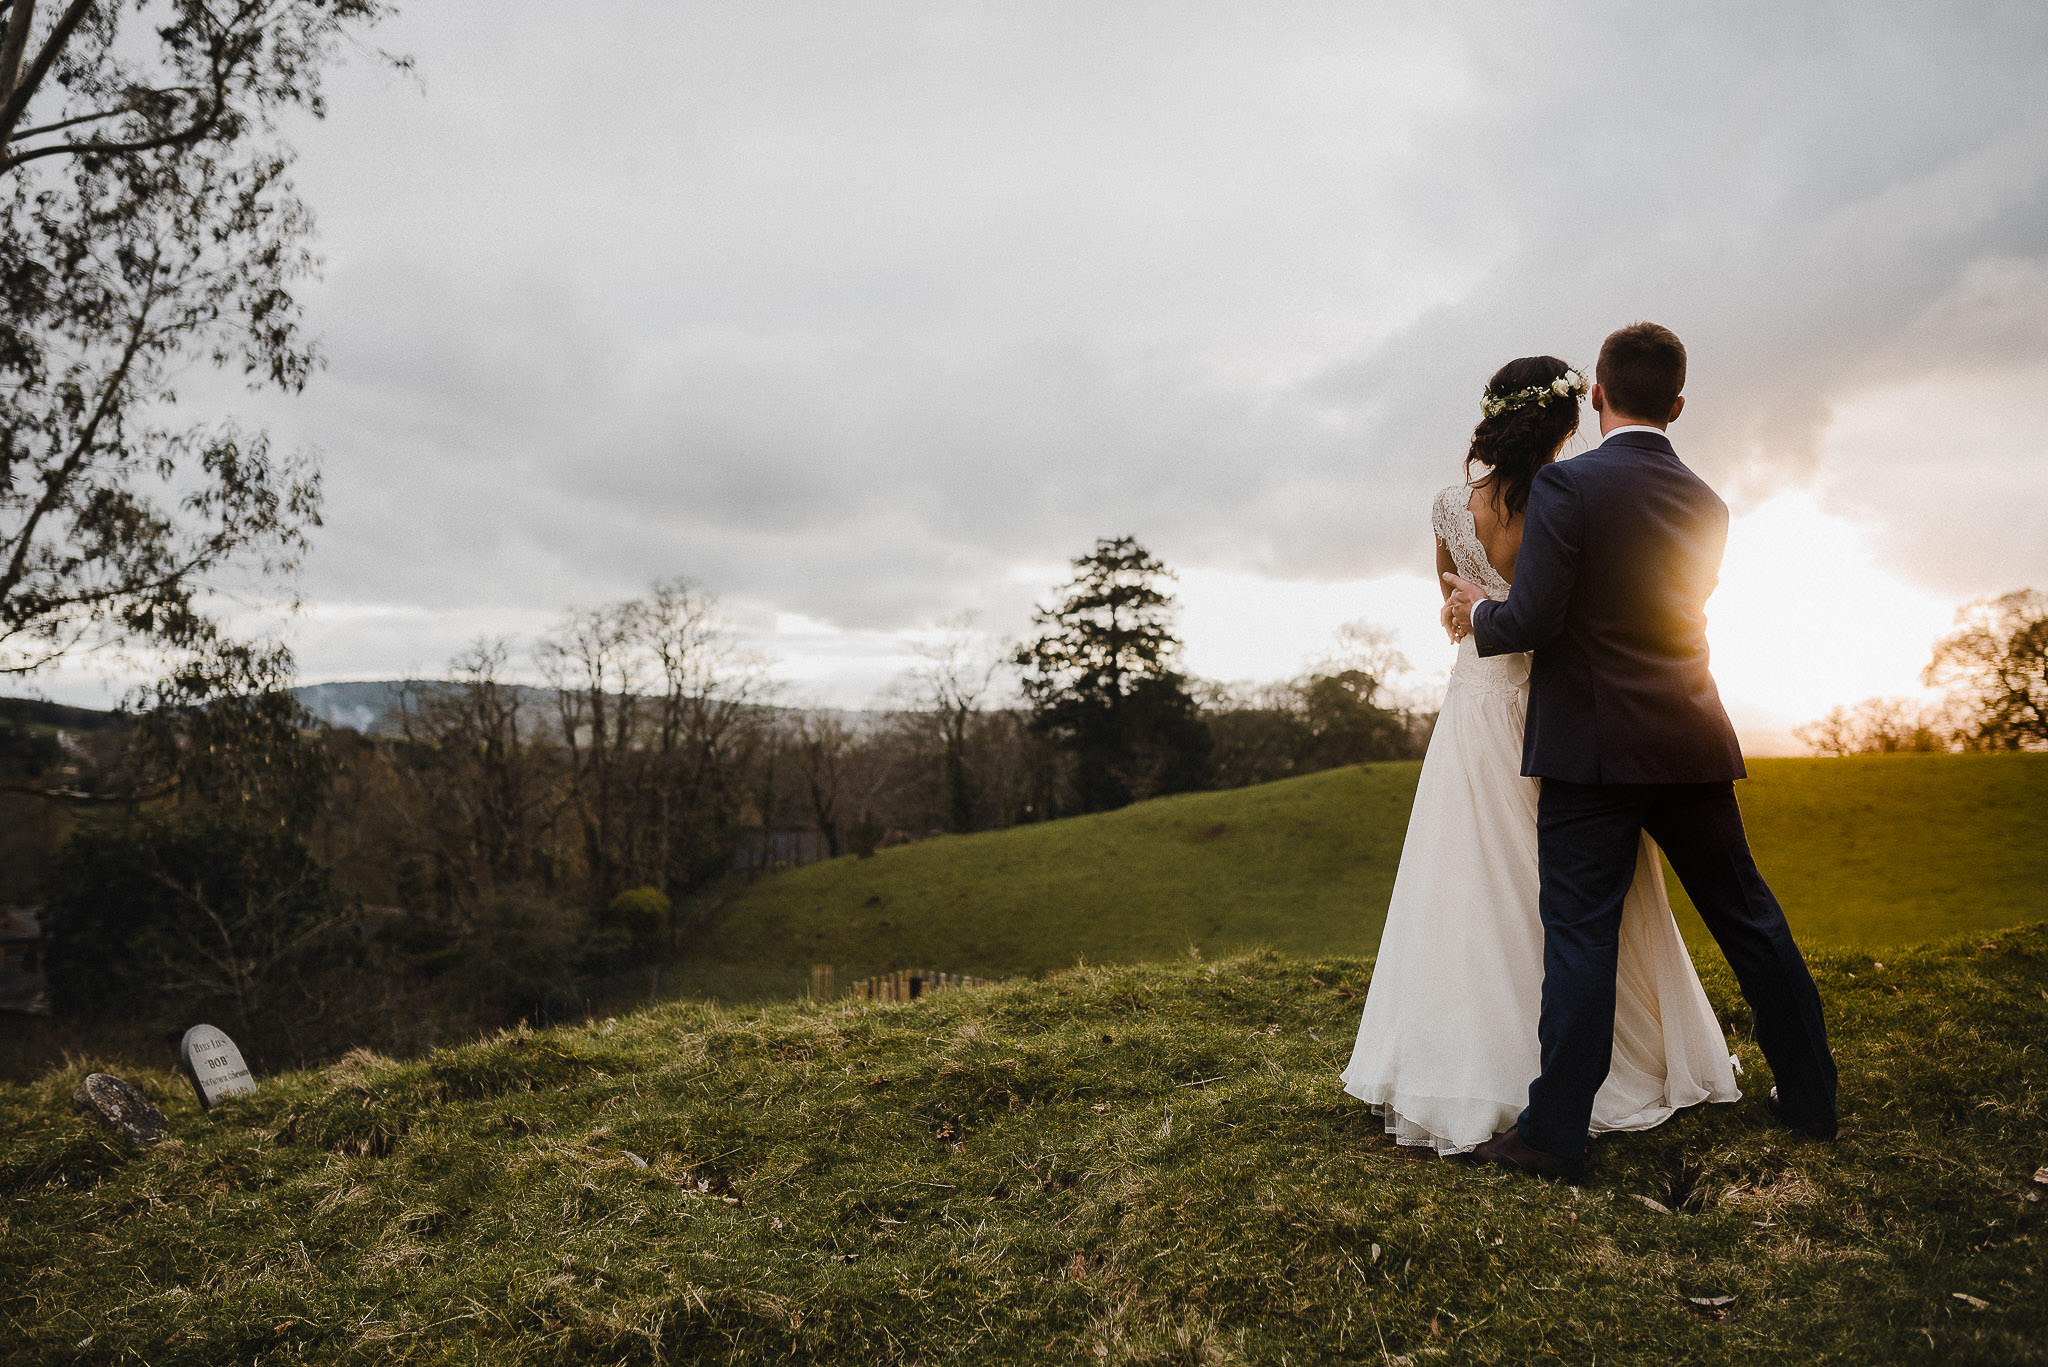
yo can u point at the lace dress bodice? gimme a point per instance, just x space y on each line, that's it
1451 519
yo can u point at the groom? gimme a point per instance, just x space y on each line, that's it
1620 549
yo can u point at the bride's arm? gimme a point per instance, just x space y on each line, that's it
1445 565
1546 567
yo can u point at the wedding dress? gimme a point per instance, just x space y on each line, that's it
1447 1045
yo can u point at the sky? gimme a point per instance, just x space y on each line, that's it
865 317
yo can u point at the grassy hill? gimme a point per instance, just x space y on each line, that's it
1147 1164
1863 852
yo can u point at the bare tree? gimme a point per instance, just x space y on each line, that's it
247 946
598 678
1880 726
706 727
209 912
1363 648
1996 666
825 749
1016 771
955 675
658 713
482 795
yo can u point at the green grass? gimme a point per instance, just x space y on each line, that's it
1899 849
1118 1164
1865 853
1298 865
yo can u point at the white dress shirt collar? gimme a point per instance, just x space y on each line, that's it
1633 427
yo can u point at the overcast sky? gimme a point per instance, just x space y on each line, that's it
866 315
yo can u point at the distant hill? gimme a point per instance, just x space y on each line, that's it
56 716
371 706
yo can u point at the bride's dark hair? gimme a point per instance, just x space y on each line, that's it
1516 442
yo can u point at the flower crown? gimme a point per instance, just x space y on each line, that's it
1569 385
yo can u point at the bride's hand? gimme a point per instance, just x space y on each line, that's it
1449 619
1465 595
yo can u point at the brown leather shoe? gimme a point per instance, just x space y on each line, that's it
1825 1128
1509 1150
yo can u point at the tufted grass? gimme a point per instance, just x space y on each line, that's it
1146 1164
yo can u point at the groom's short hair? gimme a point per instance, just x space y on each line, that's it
1642 371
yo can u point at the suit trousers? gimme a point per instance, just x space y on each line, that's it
1587 840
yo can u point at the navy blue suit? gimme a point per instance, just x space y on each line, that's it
1620 549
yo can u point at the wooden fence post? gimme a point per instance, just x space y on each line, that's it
897 985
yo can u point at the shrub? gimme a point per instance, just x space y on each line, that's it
204 913
517 953
642 913
606 951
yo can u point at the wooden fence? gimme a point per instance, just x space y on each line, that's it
905 984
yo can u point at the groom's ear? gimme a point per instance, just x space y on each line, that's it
1598 398
1677 407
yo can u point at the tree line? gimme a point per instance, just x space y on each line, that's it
1993 673
543 823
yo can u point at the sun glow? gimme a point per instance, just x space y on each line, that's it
1808 616
1249 627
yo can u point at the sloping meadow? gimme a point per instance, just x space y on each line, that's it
1883 850
1147 1164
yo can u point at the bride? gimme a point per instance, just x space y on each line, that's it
1447 1044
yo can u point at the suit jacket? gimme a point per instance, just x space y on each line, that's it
1620 548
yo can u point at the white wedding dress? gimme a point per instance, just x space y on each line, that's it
1447 1046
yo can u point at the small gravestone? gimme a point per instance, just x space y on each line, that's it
214 1065
121 1107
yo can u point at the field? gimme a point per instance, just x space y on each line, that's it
1868 853
1122 1164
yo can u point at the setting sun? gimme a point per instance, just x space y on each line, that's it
1808 617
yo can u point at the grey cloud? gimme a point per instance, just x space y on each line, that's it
847 311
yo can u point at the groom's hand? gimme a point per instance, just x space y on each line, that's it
1458 607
